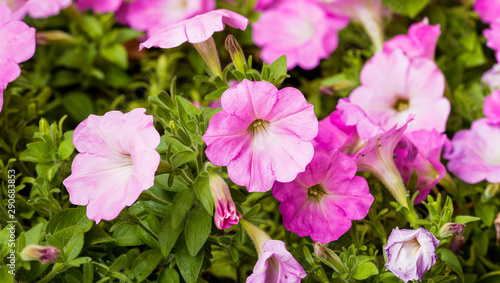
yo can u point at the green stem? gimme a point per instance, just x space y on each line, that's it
56 269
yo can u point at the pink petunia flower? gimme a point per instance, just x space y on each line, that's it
427 162
394 87
225 210
99 6
17 45
299 29
262 5
411 253
491 108
261 134
493 37
155 15
117 161
488 10
35 8
419 43
322 201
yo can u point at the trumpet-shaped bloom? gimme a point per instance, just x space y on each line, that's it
299 29
488 10
419 43
117 161
99 6
427 162
276 264
17 45
322 201
493 37
411 253
491 106
393 87
35 8
154 15
225 210
195 30
261 134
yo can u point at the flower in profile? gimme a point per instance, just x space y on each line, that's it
411 253
301 30
427 162
41 253
333 133
35 8
493 37
492 77
17 45
155 15
117 161
394 87
451 230
419 43
99 6
261 134
225 210
275 263
322 201
488 10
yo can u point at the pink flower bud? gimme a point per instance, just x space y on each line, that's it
225 210
41 253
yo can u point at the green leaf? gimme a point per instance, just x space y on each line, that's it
409 8
451 260
91 26
69 241
69 217
216 94
204 194
127 235
38 152
365 270
168 275
145 263
181 205
78 105
189 265
183 157
126 34
278 67
197 229
464 219
167 236
66 148
116 54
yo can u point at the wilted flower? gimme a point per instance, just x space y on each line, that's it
322 201
411 253
99 6
299 29
41 253
419 43
117 161
394 87
451 229
17 45
275 263
225 211
261 134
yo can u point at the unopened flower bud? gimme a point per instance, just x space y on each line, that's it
451 229
208 52
457 244
41 253
491 190
225 210
54 36
322 252
236 53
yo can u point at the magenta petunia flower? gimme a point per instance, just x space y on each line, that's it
225 211
394 87
475 154
155 15
117 161
35 8
299 29
411 253
427 163
99 6
491 106
261 134
322 201
17 45
265 4
276 264
493 37
488 10
419 43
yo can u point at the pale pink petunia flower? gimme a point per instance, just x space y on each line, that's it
35 8
488 10
99 6
322 201
261 134
419 43
393 87
411 253
493 37
427 162
226 214
492 77
116 163
299 29
155 15
491 108
17 45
